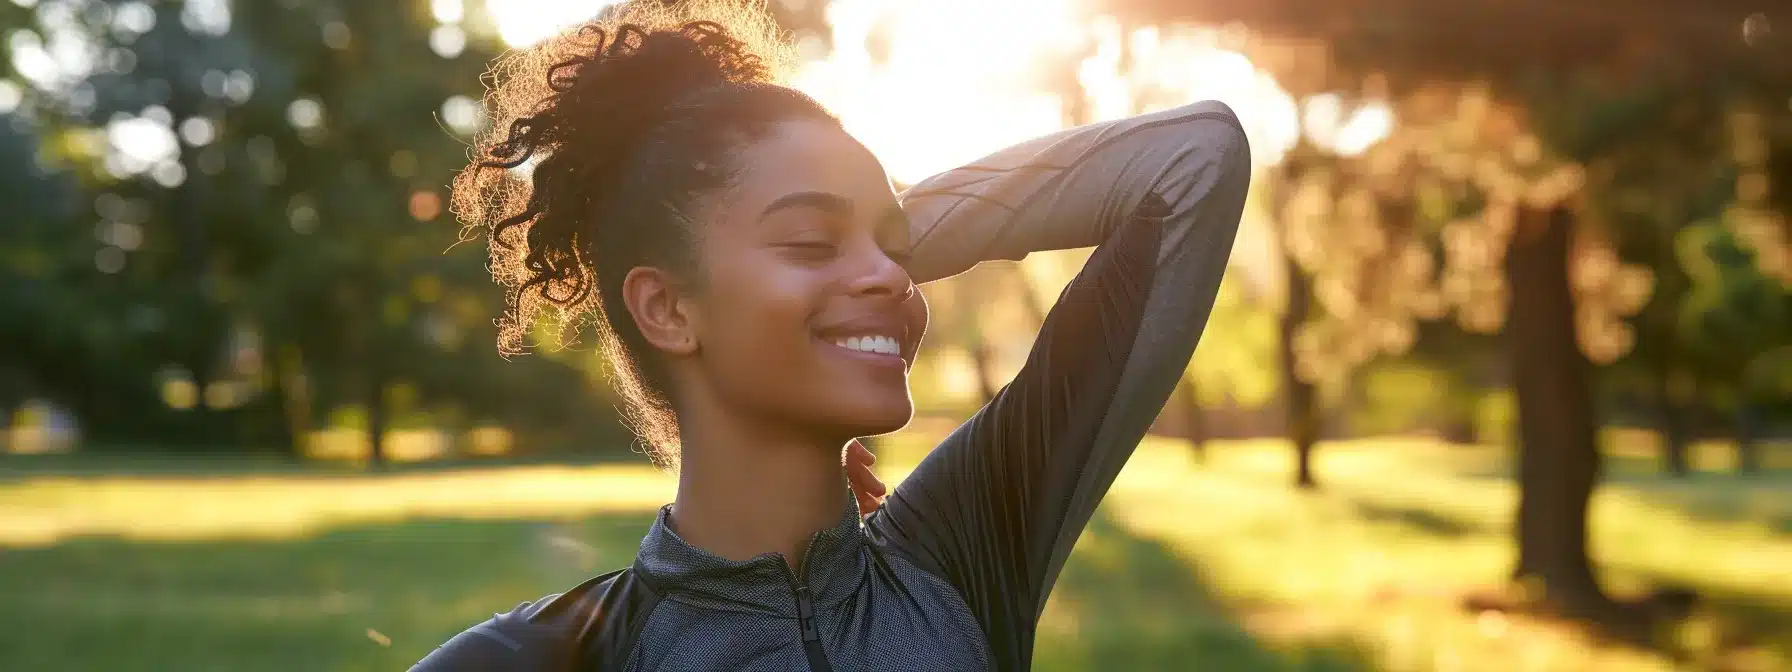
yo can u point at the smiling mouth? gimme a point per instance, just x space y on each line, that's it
873 344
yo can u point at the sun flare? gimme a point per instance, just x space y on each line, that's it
931 84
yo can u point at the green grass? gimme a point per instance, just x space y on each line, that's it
1217 566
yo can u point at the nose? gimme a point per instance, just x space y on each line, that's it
880 275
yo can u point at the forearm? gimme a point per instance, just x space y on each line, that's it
1070 189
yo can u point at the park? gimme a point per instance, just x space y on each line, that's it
1499 378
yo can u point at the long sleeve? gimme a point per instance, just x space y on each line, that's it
996 507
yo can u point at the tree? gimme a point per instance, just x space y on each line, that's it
1563 289
92 318
268 183
35 256
1563 84
1357 278
1238 363
1737 320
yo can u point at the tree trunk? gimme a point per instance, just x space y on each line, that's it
1748 450
1300 397
972 295
1558 459
1195 428
1676 387
980 358
1675 422
1674 404
293 392
376 417
13 391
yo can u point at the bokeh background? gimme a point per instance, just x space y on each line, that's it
1501 377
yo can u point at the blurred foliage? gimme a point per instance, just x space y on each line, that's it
1235 364
1680 262
229 229
257 228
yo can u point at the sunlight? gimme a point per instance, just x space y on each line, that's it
932 84
1324 122
521 23
955 81
172 508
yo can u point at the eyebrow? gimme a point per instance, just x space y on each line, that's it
835 204
820 200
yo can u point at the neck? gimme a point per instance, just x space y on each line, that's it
745 489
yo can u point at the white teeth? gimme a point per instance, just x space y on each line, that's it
883 345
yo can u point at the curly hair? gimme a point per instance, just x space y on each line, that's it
601 140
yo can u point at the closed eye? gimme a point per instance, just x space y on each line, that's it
815 250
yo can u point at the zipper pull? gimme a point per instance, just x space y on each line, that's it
805 614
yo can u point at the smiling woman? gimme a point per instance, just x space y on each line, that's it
753 281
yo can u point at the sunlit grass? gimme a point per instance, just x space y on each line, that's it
49 509
1188 566
1385 553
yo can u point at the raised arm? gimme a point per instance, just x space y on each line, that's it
995 509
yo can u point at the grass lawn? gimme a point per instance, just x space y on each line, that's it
1217 566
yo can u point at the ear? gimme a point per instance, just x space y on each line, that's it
654 299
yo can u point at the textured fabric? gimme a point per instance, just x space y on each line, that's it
729 615
996 508
953 571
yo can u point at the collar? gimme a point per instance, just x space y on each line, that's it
834 567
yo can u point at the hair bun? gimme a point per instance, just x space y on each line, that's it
629 75
624 69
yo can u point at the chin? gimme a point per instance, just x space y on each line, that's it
879 416
892 422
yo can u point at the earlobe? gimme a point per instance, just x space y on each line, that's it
656 304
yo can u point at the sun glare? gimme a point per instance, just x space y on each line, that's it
954 80
932 84
521 23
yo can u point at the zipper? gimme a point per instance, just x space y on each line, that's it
805 613
805 616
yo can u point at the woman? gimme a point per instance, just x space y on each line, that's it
754 279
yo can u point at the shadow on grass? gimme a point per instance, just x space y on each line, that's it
1725 626
367 597
1705 496
1425 521
1625 467
1124 602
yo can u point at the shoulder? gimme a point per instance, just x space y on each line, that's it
592 626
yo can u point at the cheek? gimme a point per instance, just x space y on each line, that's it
757 321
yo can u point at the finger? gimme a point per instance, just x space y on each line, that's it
864 480
857 452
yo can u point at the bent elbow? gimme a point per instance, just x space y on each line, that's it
1222 138
1213 176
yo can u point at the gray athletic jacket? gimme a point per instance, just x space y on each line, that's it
953 571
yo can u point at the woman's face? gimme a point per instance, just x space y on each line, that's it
805 314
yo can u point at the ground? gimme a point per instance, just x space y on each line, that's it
1215 566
